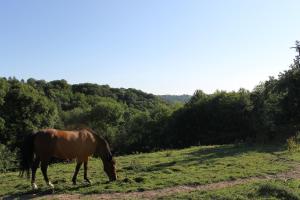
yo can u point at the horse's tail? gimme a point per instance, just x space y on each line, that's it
26 155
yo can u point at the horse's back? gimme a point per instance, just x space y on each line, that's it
64 144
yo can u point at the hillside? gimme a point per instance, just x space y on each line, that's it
176 98
134 121
115 113
200 166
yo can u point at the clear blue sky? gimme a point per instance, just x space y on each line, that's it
159 46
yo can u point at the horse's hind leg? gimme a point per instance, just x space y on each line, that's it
85 165
44 166
35 165
78 165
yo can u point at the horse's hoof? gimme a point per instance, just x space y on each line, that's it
74 183
50 185
34 186
88 181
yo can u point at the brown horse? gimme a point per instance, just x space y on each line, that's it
40 147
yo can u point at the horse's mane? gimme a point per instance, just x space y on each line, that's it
95 134
101 138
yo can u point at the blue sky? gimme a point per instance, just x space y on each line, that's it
158 46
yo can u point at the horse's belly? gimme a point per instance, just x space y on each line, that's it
65 155
71 151
66 150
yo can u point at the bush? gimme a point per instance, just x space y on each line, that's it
292 143
8 159
280 192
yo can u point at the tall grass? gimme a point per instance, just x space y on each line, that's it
293 143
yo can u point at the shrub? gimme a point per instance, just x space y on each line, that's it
280 192
8 161
292 143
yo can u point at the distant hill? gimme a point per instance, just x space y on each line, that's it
176 98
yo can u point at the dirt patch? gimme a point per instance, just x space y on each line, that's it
152 194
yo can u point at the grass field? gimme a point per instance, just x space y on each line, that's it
191 166
273 189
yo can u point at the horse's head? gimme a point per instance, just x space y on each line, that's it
109 165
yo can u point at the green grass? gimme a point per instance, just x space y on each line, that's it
139 172
274 189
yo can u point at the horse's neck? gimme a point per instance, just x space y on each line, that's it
102 149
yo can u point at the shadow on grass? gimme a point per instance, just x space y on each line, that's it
28 194
160 166
41 192
210 155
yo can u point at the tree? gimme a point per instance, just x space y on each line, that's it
222 117
24 111
3 91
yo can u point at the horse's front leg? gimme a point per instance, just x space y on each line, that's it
85 172
76 172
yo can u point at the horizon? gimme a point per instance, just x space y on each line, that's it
181 94
162 48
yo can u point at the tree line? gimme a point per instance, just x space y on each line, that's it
132 120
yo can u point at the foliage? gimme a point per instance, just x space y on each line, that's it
8 159
222 117
269 113
24 110
176 98
114 113
136 121
292 143
280 192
